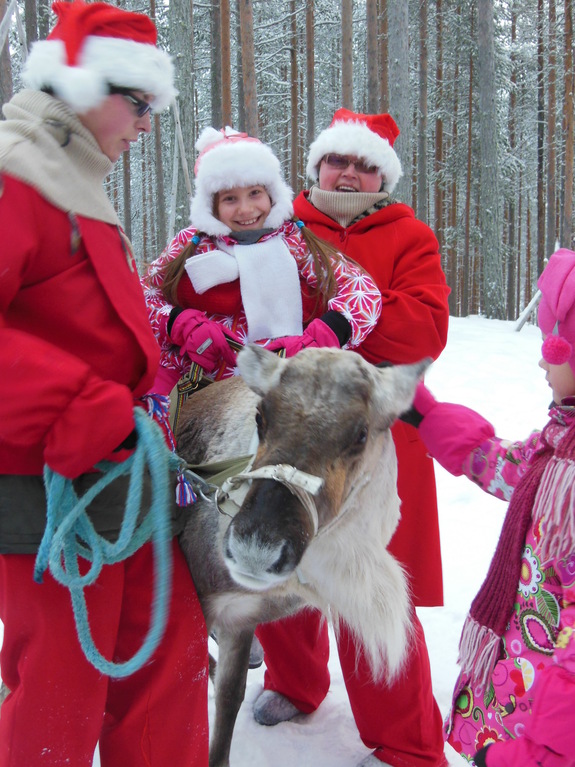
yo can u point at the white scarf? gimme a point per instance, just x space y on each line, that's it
269 284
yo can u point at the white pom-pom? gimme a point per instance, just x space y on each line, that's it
207 138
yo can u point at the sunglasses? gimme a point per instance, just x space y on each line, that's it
343 161
141 107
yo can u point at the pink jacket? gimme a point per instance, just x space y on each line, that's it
527 714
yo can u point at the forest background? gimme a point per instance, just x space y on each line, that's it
482 91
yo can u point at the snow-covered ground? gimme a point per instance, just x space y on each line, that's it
490 367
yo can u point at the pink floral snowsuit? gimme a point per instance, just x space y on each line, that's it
528 709
357 297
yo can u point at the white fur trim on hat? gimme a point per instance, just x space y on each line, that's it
355 138
103 61
224 164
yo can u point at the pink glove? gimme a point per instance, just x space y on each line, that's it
203 340
316 334
450 432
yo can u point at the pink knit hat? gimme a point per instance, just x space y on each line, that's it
556 313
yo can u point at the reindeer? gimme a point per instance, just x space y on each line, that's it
320 507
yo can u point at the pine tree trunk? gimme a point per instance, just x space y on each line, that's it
346 54
372 58
568 129
226 62
248 67
310 71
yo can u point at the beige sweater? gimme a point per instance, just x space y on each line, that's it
43 143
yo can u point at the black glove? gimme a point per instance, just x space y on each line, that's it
480 756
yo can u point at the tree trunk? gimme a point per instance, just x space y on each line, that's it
438 162
568 120
551 185
383 57
6 85
398 18
489 216
249 67
294 122
30 22
540 140
346 54
421 201
310 72
216 55
226 62
372 58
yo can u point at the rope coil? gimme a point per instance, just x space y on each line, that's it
70 535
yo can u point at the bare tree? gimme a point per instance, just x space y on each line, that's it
372 57
310 71
399 90
346 54
226 62
248 67
489 216
568 120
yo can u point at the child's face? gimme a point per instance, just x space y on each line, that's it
560 378
243 207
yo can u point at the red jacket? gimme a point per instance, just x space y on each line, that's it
76 347
401 254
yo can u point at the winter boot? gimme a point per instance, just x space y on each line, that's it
272 708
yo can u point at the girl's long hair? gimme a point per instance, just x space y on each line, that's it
323 255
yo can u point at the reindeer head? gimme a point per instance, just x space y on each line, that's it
327 413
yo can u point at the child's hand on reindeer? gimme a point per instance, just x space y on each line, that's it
203 340
332 329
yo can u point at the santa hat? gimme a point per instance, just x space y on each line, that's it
97 45
556 313
369 137
227 159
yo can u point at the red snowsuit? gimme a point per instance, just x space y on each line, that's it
402 723
76 349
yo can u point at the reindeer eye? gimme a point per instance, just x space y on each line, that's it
259 423
361 438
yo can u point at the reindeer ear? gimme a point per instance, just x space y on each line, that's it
396 386
259 368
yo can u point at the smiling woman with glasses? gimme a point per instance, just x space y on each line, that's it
141 107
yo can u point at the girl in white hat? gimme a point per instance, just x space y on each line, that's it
246 271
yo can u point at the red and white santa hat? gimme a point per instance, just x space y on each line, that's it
226 159
369 137
94 46
556 312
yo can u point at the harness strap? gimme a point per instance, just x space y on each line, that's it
301 484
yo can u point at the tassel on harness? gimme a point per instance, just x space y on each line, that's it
70 535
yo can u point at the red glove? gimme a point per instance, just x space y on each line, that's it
203 340
316 334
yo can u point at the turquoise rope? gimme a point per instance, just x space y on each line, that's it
70 535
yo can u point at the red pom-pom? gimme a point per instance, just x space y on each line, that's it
556 350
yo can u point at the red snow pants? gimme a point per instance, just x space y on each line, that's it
60 706
401 722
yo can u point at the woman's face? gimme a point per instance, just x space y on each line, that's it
560 378
115 123
243 207
347 179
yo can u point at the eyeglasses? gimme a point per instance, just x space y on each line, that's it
141 107
343 161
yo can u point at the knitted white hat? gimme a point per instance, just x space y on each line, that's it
94 46
369 137
227 159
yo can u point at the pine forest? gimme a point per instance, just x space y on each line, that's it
482 91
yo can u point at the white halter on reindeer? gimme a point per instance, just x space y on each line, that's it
321 541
